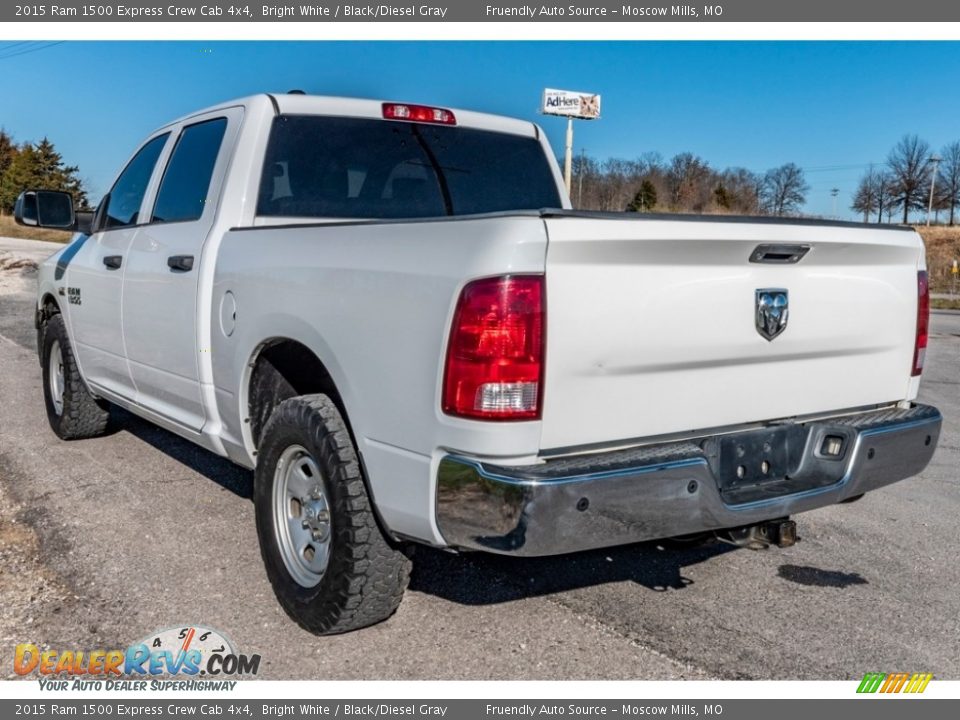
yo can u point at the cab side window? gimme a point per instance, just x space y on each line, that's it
186 181
126 196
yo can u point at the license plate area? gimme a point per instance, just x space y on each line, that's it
776 461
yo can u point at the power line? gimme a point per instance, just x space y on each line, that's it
30 50
24 51
837 168
9 46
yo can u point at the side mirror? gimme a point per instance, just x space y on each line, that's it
25 209
50 209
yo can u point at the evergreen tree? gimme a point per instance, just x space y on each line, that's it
645 198
7 153
20 175
54 175
39 167
7 150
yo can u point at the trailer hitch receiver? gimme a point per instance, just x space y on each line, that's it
781 532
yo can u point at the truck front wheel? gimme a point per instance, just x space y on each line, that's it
72 411
330 565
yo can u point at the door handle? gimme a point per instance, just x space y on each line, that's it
113 262
180 263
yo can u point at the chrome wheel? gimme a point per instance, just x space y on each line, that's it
55 377
301 516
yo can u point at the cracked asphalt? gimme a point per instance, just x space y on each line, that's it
103 541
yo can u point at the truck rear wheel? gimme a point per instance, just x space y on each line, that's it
72 411
330 565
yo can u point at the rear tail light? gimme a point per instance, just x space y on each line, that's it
923 322
418 113
494 367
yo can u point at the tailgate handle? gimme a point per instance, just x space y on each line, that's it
777 253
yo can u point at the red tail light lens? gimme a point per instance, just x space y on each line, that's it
495 356
418 113
923 322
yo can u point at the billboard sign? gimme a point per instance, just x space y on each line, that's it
585 106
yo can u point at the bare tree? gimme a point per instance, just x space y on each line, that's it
784 190
909 163
865 198
690 182
949 179
619 184
586 179
742 190
886 196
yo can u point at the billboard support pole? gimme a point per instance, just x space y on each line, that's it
573 106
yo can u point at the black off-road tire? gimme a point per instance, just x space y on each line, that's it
366 574
82 416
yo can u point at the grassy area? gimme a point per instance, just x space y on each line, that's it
945 303
8 228
943 247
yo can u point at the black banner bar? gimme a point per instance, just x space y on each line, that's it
479 11
225 708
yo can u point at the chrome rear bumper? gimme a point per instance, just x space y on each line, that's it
673 489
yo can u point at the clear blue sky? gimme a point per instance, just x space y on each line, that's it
753 104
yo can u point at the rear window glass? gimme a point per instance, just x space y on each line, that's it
364 168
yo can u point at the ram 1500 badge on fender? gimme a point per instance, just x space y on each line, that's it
390 312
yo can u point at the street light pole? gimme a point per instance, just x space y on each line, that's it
834 192
935 159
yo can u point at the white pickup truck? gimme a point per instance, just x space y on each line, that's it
390 312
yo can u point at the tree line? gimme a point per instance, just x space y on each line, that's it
35 165
686 184
904 182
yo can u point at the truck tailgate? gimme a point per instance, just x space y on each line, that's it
651 325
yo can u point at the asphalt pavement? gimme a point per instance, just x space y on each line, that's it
103 541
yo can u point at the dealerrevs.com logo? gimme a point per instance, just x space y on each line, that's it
201 657
909 683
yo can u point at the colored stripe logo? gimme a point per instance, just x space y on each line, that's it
894 682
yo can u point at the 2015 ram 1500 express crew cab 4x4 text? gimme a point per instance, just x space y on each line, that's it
390 312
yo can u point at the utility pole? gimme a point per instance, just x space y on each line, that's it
935 159
833 193
580 179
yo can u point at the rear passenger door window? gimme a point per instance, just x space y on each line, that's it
182 196
126 195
